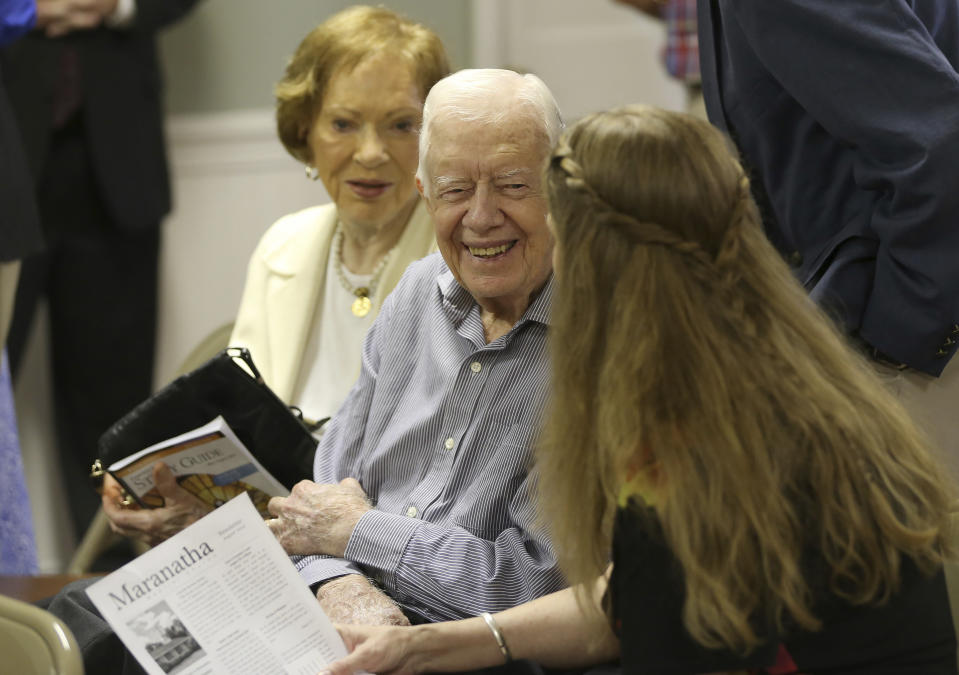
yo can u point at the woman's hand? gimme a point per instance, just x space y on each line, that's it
152 525
378 649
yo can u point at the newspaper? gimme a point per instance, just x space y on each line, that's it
209 462
220 597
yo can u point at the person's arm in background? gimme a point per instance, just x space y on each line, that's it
872 75
553 631
16 18
59 17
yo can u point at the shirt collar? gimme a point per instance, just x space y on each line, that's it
458 302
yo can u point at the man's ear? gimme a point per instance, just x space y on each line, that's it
420 188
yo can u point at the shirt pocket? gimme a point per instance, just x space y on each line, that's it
494 494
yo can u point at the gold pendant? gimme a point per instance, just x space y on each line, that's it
361 306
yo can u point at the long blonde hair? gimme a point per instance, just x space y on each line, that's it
682 341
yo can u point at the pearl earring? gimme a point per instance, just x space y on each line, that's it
312 172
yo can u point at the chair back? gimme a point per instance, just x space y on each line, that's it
35 642
207 348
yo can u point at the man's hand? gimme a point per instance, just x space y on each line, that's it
318 518
180 509
354 600
59 17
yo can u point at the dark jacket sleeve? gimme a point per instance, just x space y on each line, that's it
19 222
882 79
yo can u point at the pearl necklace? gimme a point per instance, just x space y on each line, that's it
362 304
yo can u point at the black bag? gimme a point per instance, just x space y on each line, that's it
228 385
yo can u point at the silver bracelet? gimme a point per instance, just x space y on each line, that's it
498 634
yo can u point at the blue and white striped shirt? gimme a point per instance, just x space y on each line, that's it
439 430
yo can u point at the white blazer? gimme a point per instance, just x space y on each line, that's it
285 281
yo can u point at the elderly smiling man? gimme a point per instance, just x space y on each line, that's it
421 507
437 431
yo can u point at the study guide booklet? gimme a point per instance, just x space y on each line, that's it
220 597
210 462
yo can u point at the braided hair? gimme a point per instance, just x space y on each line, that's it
682 341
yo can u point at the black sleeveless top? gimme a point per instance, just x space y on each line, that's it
911 634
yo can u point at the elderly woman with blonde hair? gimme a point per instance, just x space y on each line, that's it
770 508
349 107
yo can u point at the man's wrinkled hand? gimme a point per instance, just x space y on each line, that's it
352 599
318 518
180 508
59 17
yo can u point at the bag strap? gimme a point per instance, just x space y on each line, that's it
242 358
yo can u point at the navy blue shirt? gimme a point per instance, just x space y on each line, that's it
847 118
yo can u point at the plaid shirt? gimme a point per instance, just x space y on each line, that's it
681 54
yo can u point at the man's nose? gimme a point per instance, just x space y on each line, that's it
371 150
484 211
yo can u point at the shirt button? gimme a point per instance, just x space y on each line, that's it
449 443
476 366
411 512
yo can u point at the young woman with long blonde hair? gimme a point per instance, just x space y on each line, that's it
768 505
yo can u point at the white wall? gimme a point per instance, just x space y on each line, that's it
232 179
227 54
593 54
